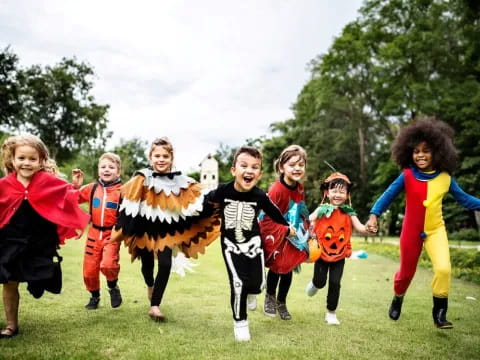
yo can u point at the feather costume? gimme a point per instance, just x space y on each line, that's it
161 210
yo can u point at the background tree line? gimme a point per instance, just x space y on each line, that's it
55 103
399 60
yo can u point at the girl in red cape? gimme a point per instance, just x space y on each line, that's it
38 211
281 255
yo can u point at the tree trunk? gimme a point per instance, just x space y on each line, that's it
361 143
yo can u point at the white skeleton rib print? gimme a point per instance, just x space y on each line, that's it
239 215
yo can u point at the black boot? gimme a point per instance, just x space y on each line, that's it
439 313
395 307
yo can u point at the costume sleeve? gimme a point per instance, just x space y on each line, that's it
387 197
85 193
272 210
464 199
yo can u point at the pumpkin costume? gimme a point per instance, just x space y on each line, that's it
332 225
333 228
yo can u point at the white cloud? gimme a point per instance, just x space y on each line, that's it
199 72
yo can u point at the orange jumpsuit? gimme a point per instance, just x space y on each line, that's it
101 254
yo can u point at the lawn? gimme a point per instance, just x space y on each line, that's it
200 325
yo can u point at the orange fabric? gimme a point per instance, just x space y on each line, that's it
100 254
191 242
134 190
333 234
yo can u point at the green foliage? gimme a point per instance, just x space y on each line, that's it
465 235
465 262
53 102
133 155
397 61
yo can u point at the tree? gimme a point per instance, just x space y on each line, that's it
400 59
9 89
133 155
54 103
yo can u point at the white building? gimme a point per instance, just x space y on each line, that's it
209 172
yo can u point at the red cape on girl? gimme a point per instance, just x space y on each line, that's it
53 198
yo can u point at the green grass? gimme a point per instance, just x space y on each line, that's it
200 322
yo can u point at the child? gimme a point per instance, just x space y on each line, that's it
161 210
332 224
101 254
38 211
240 202
281 256
425 152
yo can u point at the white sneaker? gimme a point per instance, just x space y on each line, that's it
311 290
251 302
331 318
241 330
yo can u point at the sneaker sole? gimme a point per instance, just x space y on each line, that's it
269 315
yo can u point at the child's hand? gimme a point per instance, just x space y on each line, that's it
77 178
372 226
292 232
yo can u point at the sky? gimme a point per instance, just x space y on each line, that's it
202 73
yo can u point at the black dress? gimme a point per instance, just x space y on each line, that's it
28 245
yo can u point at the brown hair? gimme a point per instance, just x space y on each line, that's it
12 142
163 142
251 150
439 137
287 154
113 158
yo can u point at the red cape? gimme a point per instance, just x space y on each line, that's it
53 198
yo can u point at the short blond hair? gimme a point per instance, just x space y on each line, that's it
113 158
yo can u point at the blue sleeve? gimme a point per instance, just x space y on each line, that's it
387 197
464 199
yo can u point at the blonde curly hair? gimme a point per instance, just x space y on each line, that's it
12 142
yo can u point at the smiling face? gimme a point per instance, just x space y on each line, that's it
161 160
422 157
247 171
337 195
26 163
108 171
293 170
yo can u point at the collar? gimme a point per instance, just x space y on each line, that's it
424 176
111 183
170 175
282 180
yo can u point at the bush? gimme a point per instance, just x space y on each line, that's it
465 262
465 235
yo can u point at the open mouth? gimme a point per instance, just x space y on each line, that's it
248 179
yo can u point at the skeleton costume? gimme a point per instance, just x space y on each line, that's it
159 212
241 243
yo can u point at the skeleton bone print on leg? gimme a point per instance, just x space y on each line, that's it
251 248
239 215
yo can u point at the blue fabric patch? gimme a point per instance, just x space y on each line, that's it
112 205
96 202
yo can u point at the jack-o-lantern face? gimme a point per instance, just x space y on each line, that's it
333 234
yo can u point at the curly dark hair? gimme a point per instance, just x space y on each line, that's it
437 134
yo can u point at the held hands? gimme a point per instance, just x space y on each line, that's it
372 226
77 178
